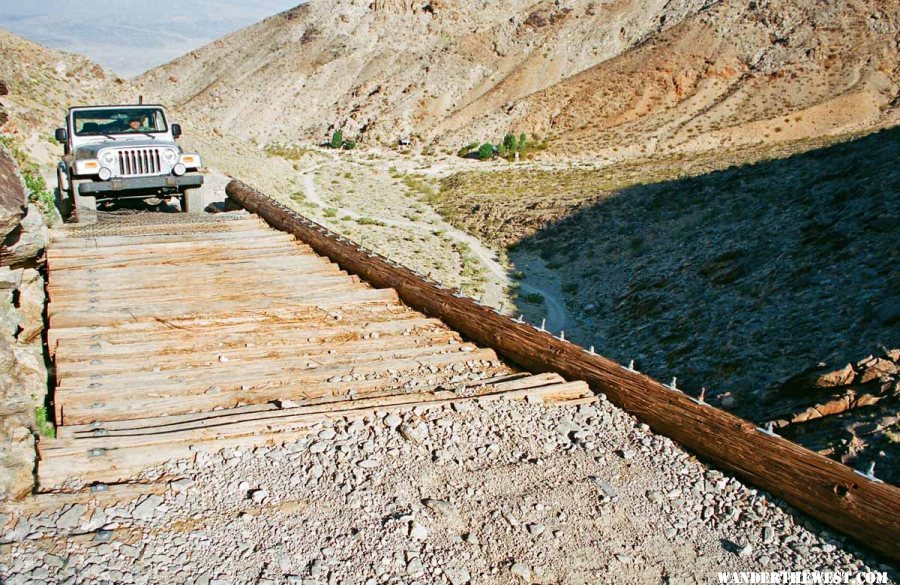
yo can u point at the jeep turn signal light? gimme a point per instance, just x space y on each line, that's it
191 161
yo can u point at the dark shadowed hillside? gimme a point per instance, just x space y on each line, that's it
737 279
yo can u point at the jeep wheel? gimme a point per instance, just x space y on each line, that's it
192 201
63 195
85 205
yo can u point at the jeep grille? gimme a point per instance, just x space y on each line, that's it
139 161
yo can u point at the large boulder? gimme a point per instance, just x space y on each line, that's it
13 194
23 382
24 245
31 307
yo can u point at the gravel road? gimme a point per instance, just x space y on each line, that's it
500 492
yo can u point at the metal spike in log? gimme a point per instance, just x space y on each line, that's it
769 430
870 473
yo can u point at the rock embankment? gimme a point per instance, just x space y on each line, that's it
848 413
23 372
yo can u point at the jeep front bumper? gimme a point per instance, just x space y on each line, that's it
169 183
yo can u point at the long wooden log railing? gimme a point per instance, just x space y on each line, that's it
857 505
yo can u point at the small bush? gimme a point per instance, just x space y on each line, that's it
369 221
330 212
509 142
337 139
486 151
43 424
533 298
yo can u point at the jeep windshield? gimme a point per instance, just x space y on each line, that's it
130 120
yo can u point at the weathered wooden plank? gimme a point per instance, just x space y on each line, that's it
210 291
185 358
176 392
126 278
98 316
253 337
821 487
309 320
197 242
145 240
113 430
128 456
188 259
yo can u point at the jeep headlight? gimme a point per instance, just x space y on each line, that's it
87 167
169 156
191 160
108 158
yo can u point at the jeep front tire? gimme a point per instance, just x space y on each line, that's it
192 201
63 194
85 205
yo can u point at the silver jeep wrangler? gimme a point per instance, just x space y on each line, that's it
118 152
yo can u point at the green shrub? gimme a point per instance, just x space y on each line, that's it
337 139
43 424
509 142
486 151
533 298
330 212
369 221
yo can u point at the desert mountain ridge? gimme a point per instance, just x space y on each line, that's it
620 79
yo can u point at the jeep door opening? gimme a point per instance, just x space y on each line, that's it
123 152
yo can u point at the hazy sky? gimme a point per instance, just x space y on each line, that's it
131 36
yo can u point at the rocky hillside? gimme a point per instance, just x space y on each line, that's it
738 74
389 69
609 79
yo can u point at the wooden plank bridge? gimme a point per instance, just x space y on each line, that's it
172 334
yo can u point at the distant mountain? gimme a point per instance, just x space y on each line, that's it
132 37
612 80
388 69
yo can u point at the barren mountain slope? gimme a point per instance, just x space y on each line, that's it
42 84
740 73
393 69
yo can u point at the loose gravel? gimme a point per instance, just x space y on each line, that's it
492 492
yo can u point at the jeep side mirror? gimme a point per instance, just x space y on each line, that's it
61 135
176 130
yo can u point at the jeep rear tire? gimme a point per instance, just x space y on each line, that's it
192 201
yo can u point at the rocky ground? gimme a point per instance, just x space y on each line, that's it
500 492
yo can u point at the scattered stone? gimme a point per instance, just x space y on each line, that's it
522 571
414 433
147 508
418 531
71 518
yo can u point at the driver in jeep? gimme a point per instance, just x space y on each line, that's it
135 125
